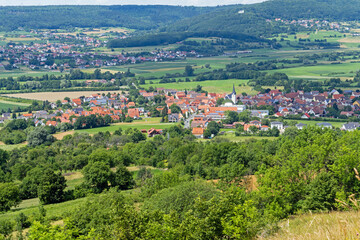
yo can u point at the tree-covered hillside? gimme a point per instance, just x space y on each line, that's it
251 19
135 17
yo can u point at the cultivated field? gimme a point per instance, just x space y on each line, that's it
53 96
5 105
326 71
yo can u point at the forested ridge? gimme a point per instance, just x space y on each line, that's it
253 20
129 16
177 18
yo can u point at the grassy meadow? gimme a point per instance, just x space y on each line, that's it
319 226
5 104
124 126
320 72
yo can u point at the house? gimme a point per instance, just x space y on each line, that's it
133 113
51 123
198 132
256 123
305 116
351 126
264 128
278 125
324 125
152 132
76 102
259 113
175 117
300 126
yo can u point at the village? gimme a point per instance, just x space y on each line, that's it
195 110
57 55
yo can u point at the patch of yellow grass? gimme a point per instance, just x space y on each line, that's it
22 39
350 40
60 136
303 36
332 226
73 176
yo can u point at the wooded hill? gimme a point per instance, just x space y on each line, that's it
177 18
130 16
253 19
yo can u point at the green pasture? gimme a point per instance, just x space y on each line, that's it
5 105
145 123
27 72
313 123
217 86
53 211
11 147
326 71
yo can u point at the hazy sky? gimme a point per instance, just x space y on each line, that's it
124 2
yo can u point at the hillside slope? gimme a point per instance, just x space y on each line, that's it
333 226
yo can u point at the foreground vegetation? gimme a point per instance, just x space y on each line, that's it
211 189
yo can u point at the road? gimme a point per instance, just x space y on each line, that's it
187 121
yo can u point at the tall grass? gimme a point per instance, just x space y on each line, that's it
332 226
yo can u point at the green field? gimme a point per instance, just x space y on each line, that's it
313 123
5 105
218 86
145 123
345 70
11 147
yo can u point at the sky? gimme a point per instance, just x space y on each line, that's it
125 2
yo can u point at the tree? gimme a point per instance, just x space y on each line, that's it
4 156
6 228
9 196
231 117
189 71
39 136
182 197
98 176
175 108
29 185
123 179
51 187
244 116
143 174
213 127
198 88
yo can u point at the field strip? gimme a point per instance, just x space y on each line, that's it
14 103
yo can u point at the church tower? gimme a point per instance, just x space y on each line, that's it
233 95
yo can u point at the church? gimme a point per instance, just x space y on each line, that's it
232 96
